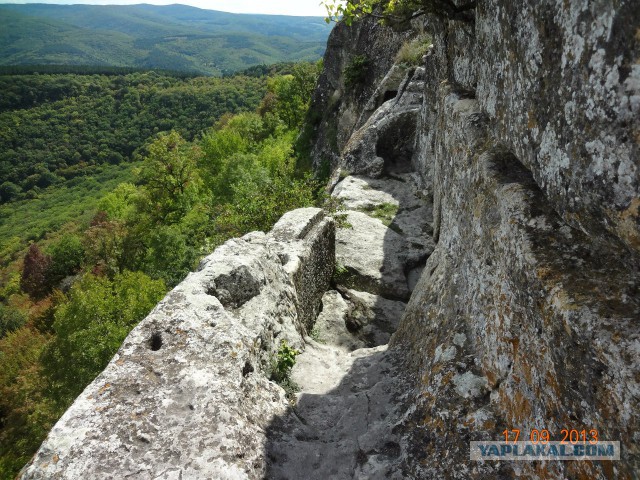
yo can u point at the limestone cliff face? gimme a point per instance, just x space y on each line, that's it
526 315
339 109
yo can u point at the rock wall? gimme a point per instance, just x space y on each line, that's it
188 394
527 313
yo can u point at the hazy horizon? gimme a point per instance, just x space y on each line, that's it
279 7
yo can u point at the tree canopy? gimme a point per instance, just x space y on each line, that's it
397 11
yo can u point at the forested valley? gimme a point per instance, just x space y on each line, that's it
113 187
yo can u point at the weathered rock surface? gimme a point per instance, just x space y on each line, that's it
531 294
525 315
413 214
342 425
353 320
187 395
379 268
384 144
351 397
342 108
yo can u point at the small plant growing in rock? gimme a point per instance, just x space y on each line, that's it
343 174
412 51
332 206
342 275
315 334
281 369
356 72
384 212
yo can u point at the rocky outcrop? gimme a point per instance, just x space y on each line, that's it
339 108
526 313
352 388
384 144
188 394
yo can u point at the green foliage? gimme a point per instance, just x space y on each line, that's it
160 37
385 212
120 204
92 324
8 191
342 275
56 129
289 96
32 219
67 256
348 11
333 206
413 50
397 11
284 361
169 178
316 335
10 319
169 256
133 239
355 73
26 412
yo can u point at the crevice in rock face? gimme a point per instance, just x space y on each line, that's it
155 341
392 146
508 169
349 383
389 94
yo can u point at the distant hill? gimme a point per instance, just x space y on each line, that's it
173 37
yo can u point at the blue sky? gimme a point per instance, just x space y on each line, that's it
279 7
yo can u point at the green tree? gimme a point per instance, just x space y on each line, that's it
398 11
288 96
10 319
92 325
170 178
120 204
8 192
67 255
169 256
26 412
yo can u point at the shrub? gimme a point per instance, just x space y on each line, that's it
412 51
355 73
281 369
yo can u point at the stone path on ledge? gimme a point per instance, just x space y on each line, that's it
350 389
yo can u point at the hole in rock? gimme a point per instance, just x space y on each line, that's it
155 342
511 170
389 94
247 369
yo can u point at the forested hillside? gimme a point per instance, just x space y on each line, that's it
174 37
125 231
52 127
